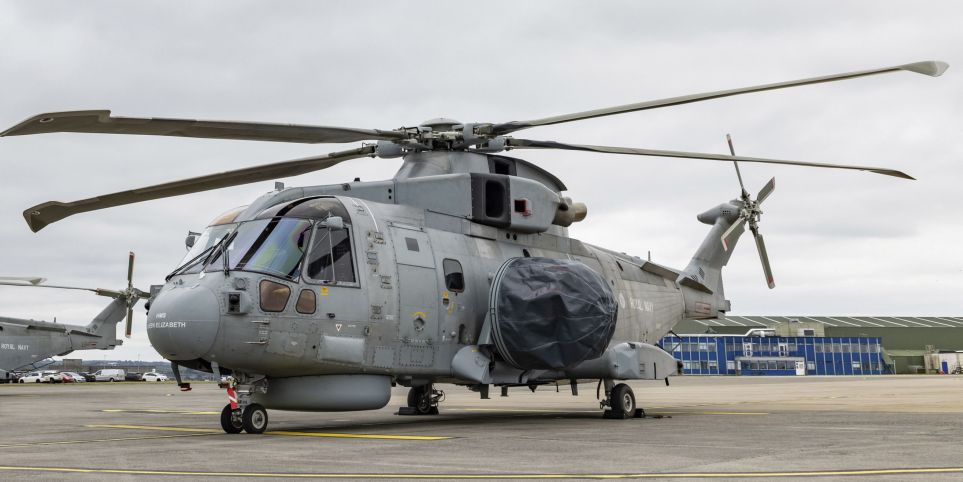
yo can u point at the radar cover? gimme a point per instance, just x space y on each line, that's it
550 314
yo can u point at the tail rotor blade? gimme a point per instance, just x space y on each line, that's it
130 320
764 257
766 191
725 236
130 270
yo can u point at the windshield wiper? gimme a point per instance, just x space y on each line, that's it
227 240
190 262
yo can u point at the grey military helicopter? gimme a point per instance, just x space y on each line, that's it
458 270
26 343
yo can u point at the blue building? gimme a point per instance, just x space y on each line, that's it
710 354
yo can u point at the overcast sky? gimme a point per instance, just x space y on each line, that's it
841 242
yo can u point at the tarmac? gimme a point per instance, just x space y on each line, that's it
699 428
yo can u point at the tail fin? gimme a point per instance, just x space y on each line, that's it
701 281
104 325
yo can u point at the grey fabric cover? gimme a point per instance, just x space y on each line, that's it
550 314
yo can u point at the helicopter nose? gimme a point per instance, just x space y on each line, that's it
182 323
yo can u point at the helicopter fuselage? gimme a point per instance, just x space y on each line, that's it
397 293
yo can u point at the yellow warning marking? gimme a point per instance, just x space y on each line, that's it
148 410
117 439
650 475
419 314
280 432
324 291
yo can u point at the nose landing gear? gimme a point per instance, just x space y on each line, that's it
241 414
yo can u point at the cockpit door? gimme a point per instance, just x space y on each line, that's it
417 285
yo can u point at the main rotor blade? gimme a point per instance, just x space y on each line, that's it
49 212
931 68
101 122
766 191
764 257
528 144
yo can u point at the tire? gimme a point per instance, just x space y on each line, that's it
111 380
419 399
623 401
254 419
228 423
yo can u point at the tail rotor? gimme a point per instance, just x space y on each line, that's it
130 295
750 215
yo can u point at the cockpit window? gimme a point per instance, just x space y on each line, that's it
211 236
273 246
329 260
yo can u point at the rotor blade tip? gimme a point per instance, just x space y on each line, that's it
890 172
932 68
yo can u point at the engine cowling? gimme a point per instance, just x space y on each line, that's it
550 314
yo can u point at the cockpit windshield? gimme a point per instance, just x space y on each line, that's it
273 246
277 242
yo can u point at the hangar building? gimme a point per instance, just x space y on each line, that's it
818 345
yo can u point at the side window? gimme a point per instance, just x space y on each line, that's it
329 259
454 277
319 265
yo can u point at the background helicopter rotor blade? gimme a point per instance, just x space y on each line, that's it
23 279
529 144
764 257
49 212
931 68
101 122
131 295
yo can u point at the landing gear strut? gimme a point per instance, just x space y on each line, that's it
423 400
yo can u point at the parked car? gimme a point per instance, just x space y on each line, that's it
52 376
88 377
154 377
32 377
110 375
65 377
73 377
133 377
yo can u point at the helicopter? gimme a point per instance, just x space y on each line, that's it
458 270
25 343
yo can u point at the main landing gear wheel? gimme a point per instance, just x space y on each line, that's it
254 418
621 402
421 400
231 420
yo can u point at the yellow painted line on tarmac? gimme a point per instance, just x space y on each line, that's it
711 413
118 439
149 410
281 432
651 411
649 475
523 410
